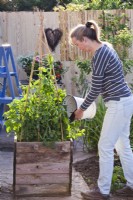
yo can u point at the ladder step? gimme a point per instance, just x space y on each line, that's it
12 73
2 69
4 75
6 100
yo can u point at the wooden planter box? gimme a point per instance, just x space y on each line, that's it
41 171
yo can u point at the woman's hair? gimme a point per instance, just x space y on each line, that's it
90 30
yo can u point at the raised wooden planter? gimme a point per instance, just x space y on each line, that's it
41 171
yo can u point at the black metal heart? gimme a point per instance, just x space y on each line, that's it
53 37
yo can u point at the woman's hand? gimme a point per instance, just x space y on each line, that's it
78 114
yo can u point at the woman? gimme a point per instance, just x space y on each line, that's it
107 80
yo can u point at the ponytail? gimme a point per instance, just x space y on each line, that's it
90 30
94 28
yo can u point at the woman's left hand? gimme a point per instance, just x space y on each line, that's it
78 114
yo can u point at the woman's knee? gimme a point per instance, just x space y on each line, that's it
123 149
105 148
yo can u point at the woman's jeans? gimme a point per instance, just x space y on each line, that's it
115 135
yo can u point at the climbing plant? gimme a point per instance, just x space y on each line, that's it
40 115
116 31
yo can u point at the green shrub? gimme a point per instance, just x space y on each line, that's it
40 115
118 180
93 127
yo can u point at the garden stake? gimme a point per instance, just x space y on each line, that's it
31 74
39 46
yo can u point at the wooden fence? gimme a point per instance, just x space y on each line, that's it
21 30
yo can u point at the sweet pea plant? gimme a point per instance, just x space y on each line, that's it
40 115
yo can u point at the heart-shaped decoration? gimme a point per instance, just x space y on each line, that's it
53 37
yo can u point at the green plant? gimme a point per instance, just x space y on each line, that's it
93 127
25 62
40 115
118 180
81 80
78 5
72 7
109 4
22 5
115 30
131 133
131 126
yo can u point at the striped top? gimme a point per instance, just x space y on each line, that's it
107 77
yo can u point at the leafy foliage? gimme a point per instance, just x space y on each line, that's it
30 5
84 66
115 30
131 126
25 62
93 127
81 81
23 5
118 180
71 7
41 116
108 5
45 5
131 133
77 5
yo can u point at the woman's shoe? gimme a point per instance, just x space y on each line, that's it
125 192
95 195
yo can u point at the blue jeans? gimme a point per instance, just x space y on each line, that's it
115 135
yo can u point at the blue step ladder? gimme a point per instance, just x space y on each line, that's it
7 72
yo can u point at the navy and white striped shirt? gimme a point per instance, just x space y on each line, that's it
107 77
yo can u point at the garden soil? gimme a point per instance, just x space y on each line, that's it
89 169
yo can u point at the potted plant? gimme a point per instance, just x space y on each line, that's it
25 62
43 157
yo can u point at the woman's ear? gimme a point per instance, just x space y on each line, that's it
85 39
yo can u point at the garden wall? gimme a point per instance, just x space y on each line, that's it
21 30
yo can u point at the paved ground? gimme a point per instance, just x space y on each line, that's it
6 173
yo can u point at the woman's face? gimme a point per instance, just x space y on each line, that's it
82 45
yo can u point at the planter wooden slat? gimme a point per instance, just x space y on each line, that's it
41 171
44 168
42 179
32 147
22 158
48 190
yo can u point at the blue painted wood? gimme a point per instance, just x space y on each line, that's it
6 60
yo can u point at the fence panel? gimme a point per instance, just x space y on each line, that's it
21 30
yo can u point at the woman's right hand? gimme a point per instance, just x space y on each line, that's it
78 114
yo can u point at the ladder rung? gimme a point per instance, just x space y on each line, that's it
12 73
6 45
4 75
2 69
6 100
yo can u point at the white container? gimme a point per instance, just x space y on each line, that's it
72 103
